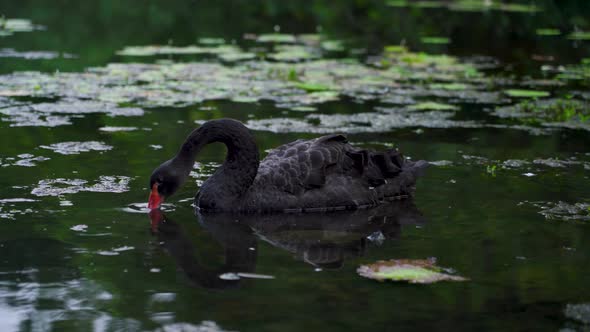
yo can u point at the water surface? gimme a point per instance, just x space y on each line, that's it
505 202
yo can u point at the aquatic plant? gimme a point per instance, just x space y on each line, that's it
521 93
414 271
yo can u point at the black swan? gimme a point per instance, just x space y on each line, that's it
321 174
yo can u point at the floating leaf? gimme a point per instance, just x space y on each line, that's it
416 4
292 53
312 87
548 32
579 35
435 40
415 271
276 38
433 106
518 93
449 86
395 49
479 5
333 45
211 41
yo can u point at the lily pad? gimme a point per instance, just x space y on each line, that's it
449 86
312 87
520 93
211 41
548 32
435 40
579 35
416 4
276 38
414 271
292 53
333 45
429 105
479 5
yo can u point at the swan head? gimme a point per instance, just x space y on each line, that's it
164 182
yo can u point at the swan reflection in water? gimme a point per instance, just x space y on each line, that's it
323 240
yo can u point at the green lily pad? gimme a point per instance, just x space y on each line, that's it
211 41
435 40
333 45
518 8
548 32
433 106
416 4
519 93
414 271
292 53
312 87
237 56
276 38
479 5
579 35
449 86
395 49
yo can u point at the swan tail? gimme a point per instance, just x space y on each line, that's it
388 171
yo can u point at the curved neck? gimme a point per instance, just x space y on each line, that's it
238 171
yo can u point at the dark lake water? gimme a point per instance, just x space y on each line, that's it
84 119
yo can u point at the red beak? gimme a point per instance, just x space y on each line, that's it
155 199
156 217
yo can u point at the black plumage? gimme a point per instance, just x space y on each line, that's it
321 174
